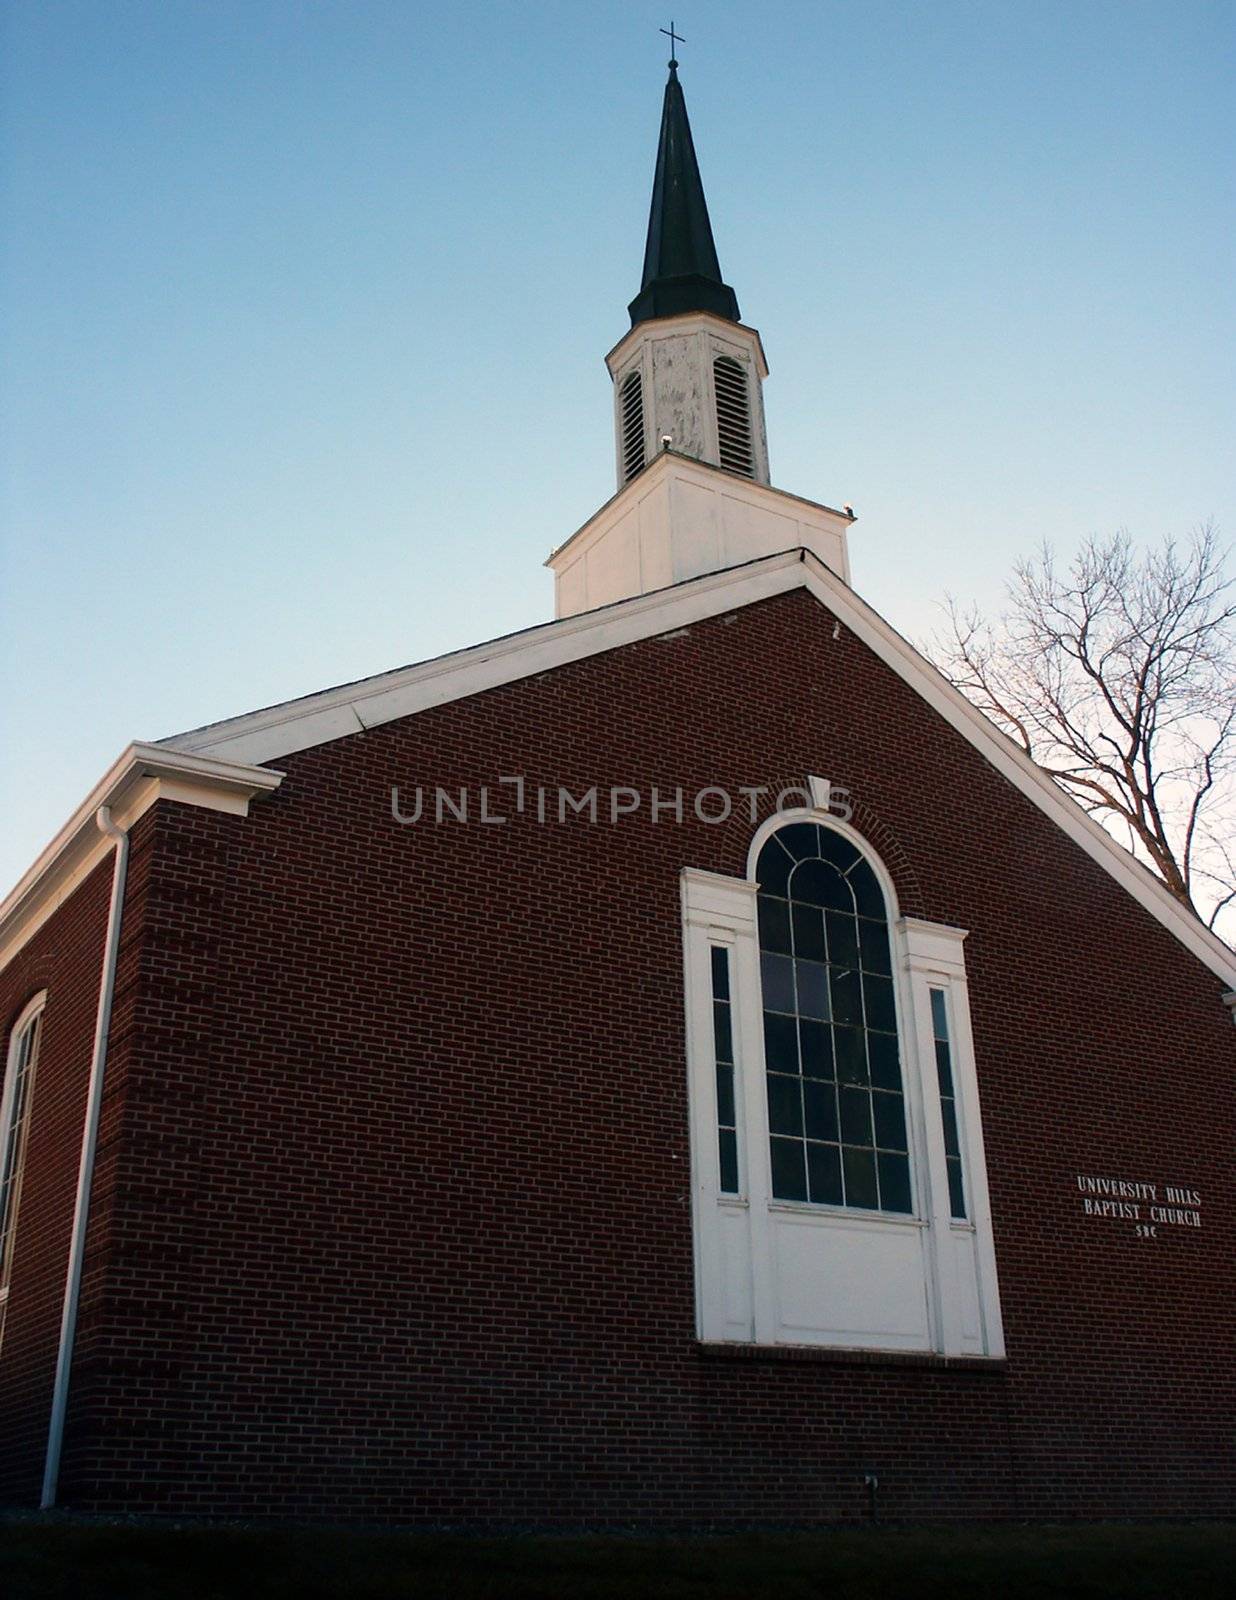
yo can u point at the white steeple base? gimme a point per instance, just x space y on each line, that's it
680 518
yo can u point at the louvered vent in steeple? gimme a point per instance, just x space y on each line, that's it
632 407
733 416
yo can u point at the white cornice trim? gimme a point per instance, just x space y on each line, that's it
280 730
141 775
685 322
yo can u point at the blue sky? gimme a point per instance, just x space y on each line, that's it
304 305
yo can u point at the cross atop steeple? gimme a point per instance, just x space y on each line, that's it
674 38
681 271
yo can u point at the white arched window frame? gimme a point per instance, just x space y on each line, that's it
16 1099
776 1272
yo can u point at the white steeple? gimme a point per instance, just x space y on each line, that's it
694 494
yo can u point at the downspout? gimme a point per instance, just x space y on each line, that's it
85 1171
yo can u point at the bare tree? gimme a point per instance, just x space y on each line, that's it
1119 678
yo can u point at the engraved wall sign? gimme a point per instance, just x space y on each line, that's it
1152 1208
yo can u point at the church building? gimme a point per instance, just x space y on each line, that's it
677 1065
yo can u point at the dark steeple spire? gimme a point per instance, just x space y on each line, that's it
681 271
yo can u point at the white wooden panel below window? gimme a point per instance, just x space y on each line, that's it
969 1304
843 1281
738 1310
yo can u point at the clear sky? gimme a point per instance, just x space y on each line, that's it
304 306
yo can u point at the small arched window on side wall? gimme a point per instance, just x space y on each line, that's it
733 416
18 1091
631 407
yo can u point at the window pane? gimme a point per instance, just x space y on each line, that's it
780 1043
725 1095
817 884
775 865
855 1116
867 894
824 1174
720 973
785 1104
812 988
842 938
774 924
800 839
847 994
728 1154
944 1067
874 937
890 1121
939 1014
721 1031
894 1173
778 975
851 1058
816 1042
789 1175
949 1117
885 1067
820 1110
956 1191
808 933
840 852
859 1169
878 1000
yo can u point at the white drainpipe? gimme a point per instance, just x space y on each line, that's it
85 1171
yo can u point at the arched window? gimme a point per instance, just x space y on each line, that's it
23 1059
839 1189
631 408
836 1102
733 416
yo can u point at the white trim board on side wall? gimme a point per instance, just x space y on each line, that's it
242 743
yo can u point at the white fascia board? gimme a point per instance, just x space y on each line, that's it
1018 768
298 725
141 775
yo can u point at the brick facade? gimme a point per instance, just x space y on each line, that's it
392 1215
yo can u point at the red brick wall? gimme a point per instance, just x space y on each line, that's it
65 957
399 1223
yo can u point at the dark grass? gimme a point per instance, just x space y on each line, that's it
92 1561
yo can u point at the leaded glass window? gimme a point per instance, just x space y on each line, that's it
723 1052
836 1104
948 1104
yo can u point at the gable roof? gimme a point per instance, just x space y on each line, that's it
245 744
